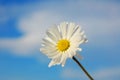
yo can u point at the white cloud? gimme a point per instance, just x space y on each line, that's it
101 74
33 28
108 74
70 73
34 23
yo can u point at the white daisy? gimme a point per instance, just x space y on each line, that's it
62 42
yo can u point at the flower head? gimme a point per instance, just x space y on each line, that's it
62 42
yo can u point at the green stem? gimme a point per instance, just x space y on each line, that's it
82 68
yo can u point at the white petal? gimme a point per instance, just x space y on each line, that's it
74 44
56 56
55 61
46 50
70 31
62 57
75 39
82 41
44 44
52 36
82 33
76 34
70 53
51 63
63 29
79 49
85 38
42 50
53 54
64 61
55 31
49 41
73 51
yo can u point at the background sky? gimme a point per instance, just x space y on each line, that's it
23 24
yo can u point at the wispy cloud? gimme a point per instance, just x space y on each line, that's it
70 73
33 29
110 73
34 22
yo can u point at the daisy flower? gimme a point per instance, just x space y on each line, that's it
62 41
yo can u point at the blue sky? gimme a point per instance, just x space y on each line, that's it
23 24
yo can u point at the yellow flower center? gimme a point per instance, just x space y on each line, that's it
63 45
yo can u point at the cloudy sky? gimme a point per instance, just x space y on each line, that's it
23 24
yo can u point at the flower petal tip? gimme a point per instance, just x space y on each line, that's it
63 65
49 66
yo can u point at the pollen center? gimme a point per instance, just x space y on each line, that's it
63 45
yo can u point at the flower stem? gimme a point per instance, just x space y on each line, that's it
82 68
